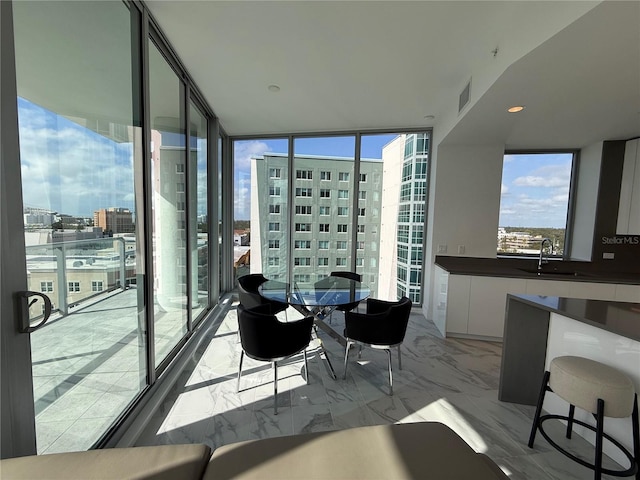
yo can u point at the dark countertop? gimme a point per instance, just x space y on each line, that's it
621 318
573 271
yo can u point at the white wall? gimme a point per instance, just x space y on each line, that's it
467 199
585 202
464 205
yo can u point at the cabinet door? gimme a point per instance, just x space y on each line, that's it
458 304
594 291
628 293
552 288
487 304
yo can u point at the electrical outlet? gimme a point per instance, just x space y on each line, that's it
608 255
442 249
461 249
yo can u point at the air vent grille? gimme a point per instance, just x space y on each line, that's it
465 95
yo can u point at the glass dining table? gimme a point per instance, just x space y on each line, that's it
319 300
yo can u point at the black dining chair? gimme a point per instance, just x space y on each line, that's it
383 326
249 296
351 276
265 338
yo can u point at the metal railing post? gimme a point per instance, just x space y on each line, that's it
61 271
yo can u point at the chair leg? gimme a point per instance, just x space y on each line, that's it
346 359
599 440
536 418
306 366
240 370
572 410
399 359
390 372
275 388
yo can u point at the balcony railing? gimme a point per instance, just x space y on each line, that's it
74 272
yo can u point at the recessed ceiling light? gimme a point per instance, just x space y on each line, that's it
429 117
273 88
515 109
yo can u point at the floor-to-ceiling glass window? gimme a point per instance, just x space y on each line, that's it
198 211
323 207
168 176
79 147
261 208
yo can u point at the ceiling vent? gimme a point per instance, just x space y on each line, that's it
465 95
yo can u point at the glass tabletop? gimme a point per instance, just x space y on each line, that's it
330 291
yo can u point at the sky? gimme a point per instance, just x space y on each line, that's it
70 169
535 190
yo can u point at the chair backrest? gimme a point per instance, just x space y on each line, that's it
248 290
350 275
264 337
385 323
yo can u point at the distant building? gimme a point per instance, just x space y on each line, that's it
114 220
323 207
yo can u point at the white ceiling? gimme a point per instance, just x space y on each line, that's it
388 64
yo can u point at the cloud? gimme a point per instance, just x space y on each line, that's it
547 176
70 169
504 190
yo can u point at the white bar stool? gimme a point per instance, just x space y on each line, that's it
599 389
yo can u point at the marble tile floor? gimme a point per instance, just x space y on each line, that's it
453 381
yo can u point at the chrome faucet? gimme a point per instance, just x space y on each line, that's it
541 260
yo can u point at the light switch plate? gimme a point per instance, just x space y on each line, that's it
442 249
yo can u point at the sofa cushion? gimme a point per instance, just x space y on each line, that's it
412 450
163 462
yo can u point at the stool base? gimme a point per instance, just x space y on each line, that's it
634 458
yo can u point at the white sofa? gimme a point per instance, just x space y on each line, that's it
425 450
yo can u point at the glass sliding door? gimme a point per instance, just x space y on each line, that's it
169 181
198 211
80 151
261 208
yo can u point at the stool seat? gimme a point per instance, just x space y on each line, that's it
582 381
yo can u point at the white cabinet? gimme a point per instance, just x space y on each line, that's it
487 304
467 305
629 207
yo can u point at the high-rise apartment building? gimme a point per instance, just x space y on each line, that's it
406 167
114 220
326 199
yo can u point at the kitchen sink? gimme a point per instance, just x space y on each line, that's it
553 273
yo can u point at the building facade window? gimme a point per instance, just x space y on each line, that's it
343 176
302 244
274 191
46 287
274 208
325 175
96 286
303 209
274 243
304 174
323 244
302 261
342 228
275 173
324 227
73 286
303 227
304 192
325 193
274 226
341 245
343 211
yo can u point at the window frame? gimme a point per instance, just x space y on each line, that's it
571 200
